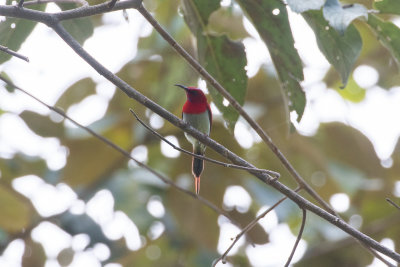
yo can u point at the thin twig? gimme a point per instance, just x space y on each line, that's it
394 204
245 230
125 153
53 21
249 227
303 223
209 78
13 53
228 165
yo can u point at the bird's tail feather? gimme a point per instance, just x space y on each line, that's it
197 184
197 169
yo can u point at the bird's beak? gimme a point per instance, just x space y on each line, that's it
182 86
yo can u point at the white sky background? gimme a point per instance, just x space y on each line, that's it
54 67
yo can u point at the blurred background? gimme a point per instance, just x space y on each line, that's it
66 199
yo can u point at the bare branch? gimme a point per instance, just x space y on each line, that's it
13 53
264 136
247 229
52 20
303 223
38 2
125 153
394 204
218 147
228 165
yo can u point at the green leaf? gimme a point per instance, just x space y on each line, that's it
353 92
276 33
42 125
20 165
341 51
15 212
300 6
89 160
340 17
224 59
13 32
8 87
388 6
388 34
202 10
80 28
228 21
76 93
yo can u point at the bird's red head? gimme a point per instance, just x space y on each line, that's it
194 95
196 101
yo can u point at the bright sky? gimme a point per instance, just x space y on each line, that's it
54 67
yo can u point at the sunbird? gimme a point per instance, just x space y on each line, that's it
197 113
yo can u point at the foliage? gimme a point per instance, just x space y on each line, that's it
337 159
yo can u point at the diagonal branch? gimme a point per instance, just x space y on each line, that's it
394 204
245 230
218 147
125 153
53 21
264 136
228 165
38 2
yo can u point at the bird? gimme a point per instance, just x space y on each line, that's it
197 113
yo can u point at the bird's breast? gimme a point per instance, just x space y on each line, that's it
200 121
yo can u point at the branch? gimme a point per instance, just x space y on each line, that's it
249 227
245 230
53 18
394 204
52 21
38 2
264 136
228 165
303 223
125 153
13 53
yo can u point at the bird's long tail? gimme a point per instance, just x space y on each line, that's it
197 169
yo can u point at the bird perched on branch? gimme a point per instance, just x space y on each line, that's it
196 112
